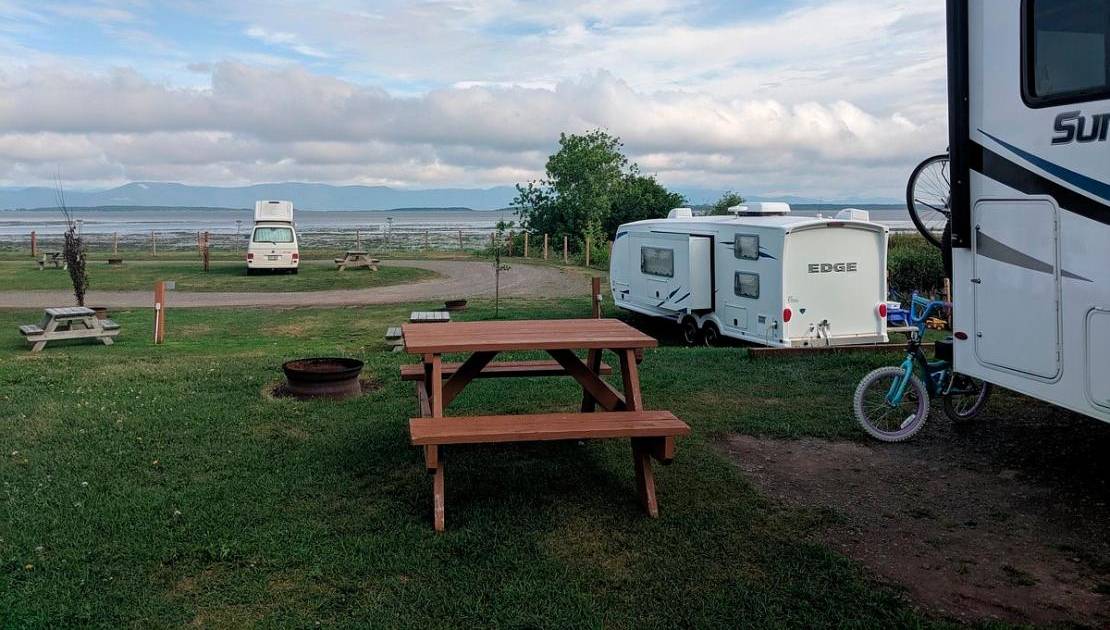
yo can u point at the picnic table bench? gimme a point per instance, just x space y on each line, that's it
623 415
356 258
72 322
56 258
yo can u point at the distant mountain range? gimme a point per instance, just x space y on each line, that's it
304 196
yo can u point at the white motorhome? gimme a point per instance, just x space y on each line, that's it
1029 116
759 275
273 239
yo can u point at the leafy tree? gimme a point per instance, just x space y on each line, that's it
589 181
727 200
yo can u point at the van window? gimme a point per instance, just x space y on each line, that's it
273 235
1067 51
747 285
746 246
657 261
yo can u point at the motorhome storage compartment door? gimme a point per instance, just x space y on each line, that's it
1016 286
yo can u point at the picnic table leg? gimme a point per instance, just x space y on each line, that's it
593 361
630 378
467 372
438 501
433 381
645 479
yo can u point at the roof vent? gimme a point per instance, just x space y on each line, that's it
680 213
761 209
853 214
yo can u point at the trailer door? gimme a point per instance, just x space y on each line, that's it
1017 286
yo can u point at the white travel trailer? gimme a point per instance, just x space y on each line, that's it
1029 116
273 239
760 275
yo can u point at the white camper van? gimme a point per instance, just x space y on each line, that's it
273 240
1029 117
759 275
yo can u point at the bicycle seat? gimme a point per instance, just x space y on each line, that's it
943 350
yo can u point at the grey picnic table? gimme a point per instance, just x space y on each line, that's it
70 322
56 258
356 258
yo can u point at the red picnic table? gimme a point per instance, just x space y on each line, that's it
622 412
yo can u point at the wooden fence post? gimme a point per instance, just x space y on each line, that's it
492 241
595 296
358 238
115 243
526 244
34 244
545 246
153 244
159 312
460 241
426 246
566 251
204 252
587 251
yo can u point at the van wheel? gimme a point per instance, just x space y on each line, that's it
710 336
690 332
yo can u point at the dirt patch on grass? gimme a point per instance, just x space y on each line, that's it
1006 520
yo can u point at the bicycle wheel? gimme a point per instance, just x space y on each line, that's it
882 420
970 400
928 197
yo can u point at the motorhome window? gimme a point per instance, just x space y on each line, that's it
273 235
1067 51
747 285
657 261
746 246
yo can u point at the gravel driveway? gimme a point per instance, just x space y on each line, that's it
459 279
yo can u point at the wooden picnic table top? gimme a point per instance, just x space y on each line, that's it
70 311
508 336
357 252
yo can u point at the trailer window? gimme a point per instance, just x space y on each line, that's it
1067 51
657 261
746 246
273 235
747 285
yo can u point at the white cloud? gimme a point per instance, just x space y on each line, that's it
288 40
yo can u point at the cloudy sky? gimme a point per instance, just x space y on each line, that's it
821 98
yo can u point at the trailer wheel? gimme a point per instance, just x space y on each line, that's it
690 333
710 335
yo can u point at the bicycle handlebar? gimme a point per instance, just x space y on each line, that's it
926 307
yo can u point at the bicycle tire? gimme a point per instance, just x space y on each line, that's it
912 202
908 427
959 416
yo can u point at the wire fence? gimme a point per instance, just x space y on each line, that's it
395 241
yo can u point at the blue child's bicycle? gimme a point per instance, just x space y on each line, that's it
892 403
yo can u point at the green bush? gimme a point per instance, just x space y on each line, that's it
914 265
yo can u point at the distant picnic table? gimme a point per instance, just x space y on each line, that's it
56 258
622 412
72 322
356 258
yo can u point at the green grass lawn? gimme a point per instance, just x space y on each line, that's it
156 485
314 275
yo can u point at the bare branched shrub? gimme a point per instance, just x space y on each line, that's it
73 251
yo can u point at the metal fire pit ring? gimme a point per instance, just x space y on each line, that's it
323 377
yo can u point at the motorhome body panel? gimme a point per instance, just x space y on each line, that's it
1038 265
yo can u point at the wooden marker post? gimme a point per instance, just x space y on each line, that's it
566 251
545 246
34 244
595 296
587 251
526 244
159 312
